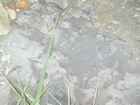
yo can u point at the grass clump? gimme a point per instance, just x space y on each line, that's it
24 95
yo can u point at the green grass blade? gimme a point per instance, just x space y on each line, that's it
26 93
45 64
22 91
25 88
7 80
37 98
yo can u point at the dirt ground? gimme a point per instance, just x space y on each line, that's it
95 56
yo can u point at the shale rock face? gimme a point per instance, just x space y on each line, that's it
95 55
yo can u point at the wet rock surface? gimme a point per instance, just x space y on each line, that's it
94 57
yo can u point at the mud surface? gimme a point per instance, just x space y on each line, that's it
95 53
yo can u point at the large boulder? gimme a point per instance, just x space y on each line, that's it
4 21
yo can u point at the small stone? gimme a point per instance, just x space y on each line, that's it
11 13
17 10
43 29
22 4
